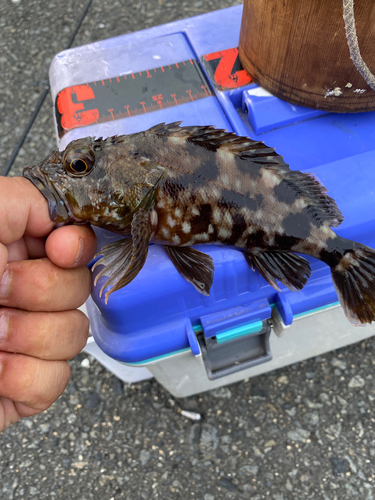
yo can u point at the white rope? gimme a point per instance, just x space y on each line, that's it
351 36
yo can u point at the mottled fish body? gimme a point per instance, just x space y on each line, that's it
182 186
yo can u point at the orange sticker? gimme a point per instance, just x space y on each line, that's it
71 108
225 69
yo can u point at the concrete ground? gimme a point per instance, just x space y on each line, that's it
306 431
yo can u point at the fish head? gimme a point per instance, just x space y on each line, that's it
94 180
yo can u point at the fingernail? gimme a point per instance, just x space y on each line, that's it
80 251
4 321
4 284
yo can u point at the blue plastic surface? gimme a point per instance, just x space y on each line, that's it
266 112
155 315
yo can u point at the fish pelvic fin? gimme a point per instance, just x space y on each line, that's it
196 267
353 273
125 258
291 270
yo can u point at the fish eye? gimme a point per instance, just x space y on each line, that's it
79 162
78 166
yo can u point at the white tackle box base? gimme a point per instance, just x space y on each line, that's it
184 374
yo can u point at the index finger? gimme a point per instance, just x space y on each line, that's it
39 285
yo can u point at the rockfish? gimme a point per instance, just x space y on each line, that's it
183 186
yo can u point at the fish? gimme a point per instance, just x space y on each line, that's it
182 186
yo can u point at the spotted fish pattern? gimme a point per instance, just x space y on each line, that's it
183 186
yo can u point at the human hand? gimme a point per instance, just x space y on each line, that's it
43 280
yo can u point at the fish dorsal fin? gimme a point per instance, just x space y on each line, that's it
212 139
293 185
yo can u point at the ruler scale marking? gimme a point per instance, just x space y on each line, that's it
127 97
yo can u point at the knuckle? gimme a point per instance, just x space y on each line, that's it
45 394
84 324
83 286
86 278
85 330
44 281
80 333
47 332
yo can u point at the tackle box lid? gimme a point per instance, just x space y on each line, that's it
189 71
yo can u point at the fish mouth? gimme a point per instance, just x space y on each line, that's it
59 210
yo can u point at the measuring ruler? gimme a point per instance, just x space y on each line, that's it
130 95
146 91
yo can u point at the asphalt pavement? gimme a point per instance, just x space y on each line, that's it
305 431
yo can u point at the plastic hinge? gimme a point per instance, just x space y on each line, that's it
192 338
224 321
267 112
284 308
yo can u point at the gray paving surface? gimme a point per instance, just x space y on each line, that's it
306 431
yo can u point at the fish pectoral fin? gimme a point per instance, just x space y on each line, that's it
196 267
115 258
125 258
290 269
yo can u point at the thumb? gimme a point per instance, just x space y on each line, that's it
24 211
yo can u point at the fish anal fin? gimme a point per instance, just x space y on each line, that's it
288 268
125 258
196 267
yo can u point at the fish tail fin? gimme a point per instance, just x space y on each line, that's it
353 274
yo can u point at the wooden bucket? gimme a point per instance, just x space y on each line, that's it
314 53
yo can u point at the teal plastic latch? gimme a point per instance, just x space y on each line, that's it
235 339
234 333
237 321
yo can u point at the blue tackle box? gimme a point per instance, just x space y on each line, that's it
189 71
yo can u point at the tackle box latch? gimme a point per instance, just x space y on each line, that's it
235 339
